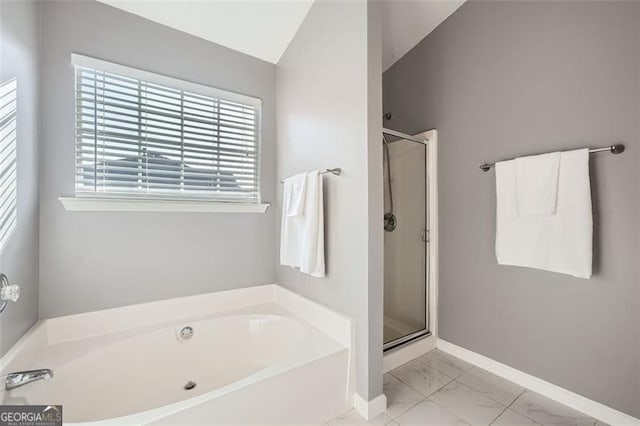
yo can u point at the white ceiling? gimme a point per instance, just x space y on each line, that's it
260 28
406 22
264 28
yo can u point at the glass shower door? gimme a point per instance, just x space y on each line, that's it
405 243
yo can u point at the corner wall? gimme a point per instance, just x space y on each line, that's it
98 260
375 196
503 79
325 84
19 59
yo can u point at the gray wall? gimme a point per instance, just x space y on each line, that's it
502 79
322 121
19 56
95 260
375 197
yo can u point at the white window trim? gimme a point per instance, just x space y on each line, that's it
133 204
130 204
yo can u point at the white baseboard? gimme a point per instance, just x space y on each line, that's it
370 409
570 399
403 354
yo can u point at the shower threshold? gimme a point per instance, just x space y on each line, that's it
405 340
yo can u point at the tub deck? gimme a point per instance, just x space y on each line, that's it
257 361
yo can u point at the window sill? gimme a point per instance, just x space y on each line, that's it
147 205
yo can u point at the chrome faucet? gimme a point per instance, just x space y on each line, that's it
21 378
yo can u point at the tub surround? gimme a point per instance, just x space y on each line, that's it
286 342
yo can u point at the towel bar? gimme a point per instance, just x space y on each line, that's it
336 171
614 149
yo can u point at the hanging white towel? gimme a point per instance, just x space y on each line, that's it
294 191
561 242
302 235
537 184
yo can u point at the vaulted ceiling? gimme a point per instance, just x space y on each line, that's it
406 22
260 28
264 28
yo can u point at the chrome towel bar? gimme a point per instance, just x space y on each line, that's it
614 149
336 171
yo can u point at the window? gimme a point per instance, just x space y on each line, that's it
144 135
8 158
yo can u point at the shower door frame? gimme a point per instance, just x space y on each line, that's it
431 245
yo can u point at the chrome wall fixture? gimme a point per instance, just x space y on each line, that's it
7 292
336 171
21 378
613 149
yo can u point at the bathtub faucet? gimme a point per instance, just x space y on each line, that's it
21 378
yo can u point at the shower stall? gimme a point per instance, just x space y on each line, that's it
406 238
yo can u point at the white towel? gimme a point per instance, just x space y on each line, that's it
302 236
294 191
561 242
537 184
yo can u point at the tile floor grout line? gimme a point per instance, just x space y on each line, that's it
519 395
510 404
426 396
455 379
426 364
557 403
445 355
489 396
448 411
478 392
497 402
422 400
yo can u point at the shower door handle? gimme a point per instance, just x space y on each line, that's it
425 235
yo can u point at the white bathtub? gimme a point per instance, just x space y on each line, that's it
257 355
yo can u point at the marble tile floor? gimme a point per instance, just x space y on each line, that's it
438 389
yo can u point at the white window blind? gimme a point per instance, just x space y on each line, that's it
146 135
8 160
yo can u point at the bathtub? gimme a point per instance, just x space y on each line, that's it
249 356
